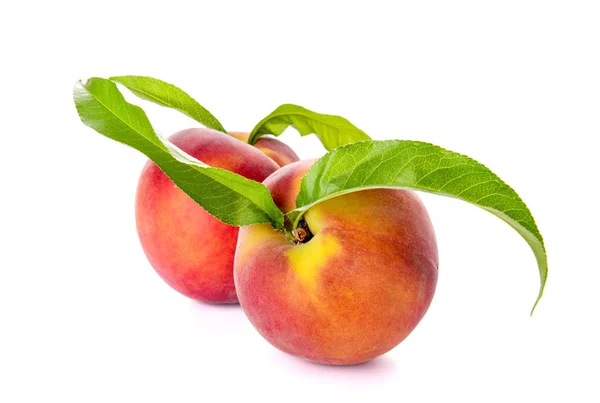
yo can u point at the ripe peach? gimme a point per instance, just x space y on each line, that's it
353 291
279 152
190 249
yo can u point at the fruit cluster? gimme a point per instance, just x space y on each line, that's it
333 261
351 293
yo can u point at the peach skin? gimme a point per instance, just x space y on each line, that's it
356 287
278 151
190 249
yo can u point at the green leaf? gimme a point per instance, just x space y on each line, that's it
419 166
165 94
333 131
231 198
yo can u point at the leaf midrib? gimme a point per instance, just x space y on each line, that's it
303 209
169 104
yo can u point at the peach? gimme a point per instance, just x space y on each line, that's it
354 290
190 249
279 152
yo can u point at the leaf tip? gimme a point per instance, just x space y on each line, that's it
539 297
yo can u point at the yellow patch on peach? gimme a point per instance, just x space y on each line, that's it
310 258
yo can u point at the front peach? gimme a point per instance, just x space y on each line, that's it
352 292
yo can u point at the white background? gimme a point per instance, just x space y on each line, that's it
513 84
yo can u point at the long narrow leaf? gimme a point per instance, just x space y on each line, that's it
231 198
419 166
333 131
165 94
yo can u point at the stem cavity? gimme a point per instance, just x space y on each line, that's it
302 233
